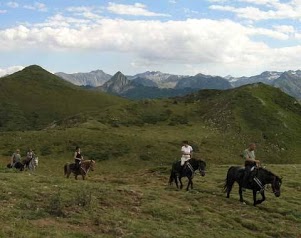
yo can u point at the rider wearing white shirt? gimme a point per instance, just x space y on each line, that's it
186 152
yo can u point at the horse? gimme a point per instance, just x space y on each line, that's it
261 178
188 171
18 165
85 167
33 164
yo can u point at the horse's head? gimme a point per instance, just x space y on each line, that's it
202 167
92 163
276 184
36 161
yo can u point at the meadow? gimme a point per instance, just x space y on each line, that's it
128 193
120 199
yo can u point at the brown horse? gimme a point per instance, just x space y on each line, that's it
85 167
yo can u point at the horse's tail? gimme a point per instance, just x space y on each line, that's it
171 178
172 175
230 179
66 168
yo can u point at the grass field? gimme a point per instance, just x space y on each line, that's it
131 198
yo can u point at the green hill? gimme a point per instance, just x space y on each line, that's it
33 98
219 124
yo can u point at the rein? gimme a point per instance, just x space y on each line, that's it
192 169
263 187
86 171
273 185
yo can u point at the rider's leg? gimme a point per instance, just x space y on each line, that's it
246 177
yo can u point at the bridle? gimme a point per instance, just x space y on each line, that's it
276 185
90 167
202 171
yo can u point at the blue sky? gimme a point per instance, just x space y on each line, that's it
217 37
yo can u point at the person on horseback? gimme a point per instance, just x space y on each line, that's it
16 158
30 155
77 158
186 151
250 162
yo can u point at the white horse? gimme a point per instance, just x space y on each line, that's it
33 164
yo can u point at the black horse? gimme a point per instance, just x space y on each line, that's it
188 171
18 165
261 177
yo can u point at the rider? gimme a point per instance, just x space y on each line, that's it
186 153
250 162
16 158
30 155
77 158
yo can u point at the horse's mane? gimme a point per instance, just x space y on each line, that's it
269 173
199 160
90 161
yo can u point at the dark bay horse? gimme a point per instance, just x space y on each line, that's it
262 176
85 167
18 165
188 171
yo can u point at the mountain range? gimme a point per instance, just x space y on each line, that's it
140 88
94 78
165 85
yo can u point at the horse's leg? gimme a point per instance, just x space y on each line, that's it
263 196
240 194
258 201
181 184
254 198
228 184
189 182
176 180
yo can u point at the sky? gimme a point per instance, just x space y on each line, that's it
186 37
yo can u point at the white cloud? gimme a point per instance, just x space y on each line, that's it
190 40
37 6
273 10
217 1
213 46
284 28
172 1
10 70
13 4
137 9
3 11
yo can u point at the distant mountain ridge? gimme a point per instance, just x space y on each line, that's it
162 80
120 85
288 81
201 81
94 78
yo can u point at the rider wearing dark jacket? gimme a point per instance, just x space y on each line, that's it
77 158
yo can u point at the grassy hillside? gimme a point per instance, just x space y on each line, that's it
33 98
128 198
218 124
257 113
